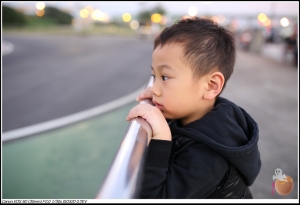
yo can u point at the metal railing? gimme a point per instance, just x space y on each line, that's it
124 176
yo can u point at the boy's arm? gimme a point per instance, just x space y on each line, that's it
194 173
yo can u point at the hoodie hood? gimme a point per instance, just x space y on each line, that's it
230 131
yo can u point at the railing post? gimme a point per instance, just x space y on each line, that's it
123 178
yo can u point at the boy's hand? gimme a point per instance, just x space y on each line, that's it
146 94
158 123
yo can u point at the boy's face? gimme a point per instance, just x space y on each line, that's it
175 92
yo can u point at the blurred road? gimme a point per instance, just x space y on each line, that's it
268 91
47 77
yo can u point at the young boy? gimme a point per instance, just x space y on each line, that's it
203 146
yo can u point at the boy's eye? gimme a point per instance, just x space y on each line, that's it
165 78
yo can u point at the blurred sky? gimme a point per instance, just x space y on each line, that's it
114 8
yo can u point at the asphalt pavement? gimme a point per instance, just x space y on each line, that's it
268 90
48 77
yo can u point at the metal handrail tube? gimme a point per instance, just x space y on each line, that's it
124 177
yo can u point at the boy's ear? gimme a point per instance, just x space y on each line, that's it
215 83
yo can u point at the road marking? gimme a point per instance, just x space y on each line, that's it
7 47
70 119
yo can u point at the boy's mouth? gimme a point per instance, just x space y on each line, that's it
159 106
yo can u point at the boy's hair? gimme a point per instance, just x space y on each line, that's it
206 45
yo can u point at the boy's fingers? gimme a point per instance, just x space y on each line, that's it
132 113
145 94
137 111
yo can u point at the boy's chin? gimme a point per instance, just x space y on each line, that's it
168 117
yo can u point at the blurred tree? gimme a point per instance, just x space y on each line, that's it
12 17
159 9
59 16
34 20
145 15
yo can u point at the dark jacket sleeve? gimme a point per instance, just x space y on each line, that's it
194 172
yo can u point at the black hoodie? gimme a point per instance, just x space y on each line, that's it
226 136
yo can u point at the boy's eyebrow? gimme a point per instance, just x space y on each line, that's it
163 66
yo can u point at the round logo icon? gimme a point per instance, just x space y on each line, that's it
283 183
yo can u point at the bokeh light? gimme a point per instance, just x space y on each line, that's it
89 8
105 17
192 11
215 19
84 13
267 22
126 17
134 24
156 18
96 14
99 15
40 13
262 17
284 22
40 5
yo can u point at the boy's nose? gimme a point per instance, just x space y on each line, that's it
155 89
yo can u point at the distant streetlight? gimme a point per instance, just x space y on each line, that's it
192 11
156 18
262 17
215 19
96 15
134 24
267 22
102 16
40 13
284 22
84 13
40 5
89 8
126 17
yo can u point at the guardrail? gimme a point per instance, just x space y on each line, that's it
124 176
